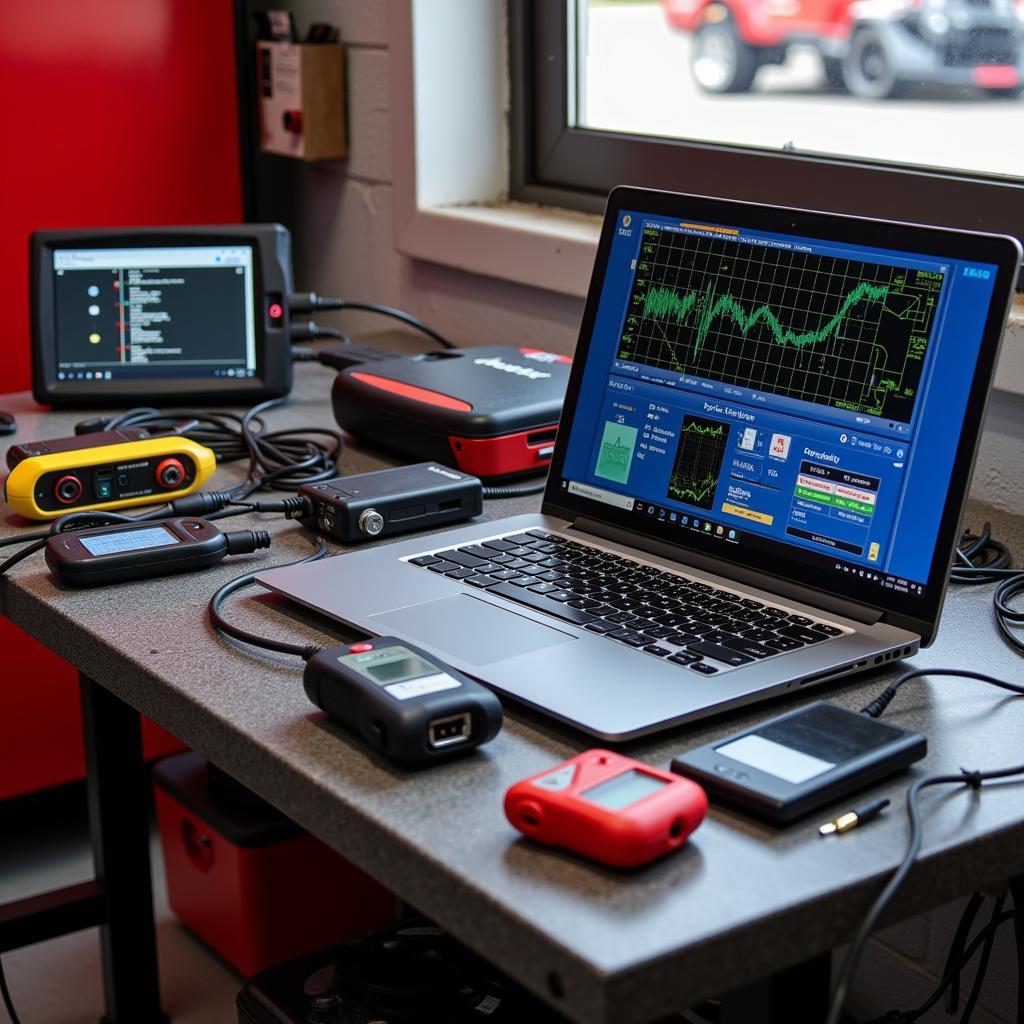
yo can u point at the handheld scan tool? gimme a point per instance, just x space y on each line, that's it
607 807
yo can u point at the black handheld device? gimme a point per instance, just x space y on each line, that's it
791 765
390 501
131 551
405 702
160 315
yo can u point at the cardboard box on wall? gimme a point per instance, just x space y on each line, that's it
301 88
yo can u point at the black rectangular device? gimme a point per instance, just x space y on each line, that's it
390 501
491 411
791 765
123 316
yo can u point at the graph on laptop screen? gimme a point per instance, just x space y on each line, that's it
769 389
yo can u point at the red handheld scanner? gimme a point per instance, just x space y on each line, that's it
607 807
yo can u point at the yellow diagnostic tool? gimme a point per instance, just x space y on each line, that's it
112 476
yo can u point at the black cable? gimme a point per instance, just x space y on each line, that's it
956 950
882 701
5 992
1008 617
29 549
909 1016
973 780
306 302
1017 892
980 558
986 953
278 459
304 651
514 490
312 331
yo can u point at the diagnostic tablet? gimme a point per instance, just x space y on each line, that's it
164 315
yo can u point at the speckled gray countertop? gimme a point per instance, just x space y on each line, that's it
739 901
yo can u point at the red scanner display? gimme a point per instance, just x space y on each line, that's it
607 807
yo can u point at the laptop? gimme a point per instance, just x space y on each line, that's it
758 480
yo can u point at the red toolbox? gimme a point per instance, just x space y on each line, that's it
246 879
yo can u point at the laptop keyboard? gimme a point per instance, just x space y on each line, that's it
667 615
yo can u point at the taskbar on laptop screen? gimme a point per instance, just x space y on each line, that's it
779 393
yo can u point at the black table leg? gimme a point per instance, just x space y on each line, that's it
118 788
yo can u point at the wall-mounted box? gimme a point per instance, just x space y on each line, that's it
301 89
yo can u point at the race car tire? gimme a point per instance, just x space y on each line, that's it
721 61
868 69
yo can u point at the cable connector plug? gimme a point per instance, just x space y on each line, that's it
311 331
243 542
294 507
201 503
306 302
880 703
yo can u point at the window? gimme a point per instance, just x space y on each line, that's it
907 109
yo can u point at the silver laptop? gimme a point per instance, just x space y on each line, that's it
758 480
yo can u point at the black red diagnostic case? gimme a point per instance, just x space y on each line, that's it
491 411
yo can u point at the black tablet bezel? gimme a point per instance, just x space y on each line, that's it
272 275
918 613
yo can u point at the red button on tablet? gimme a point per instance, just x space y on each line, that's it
360 648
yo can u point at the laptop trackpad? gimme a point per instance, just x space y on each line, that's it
470 629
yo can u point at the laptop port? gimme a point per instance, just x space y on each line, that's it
447 731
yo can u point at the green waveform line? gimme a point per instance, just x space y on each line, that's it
662 303
696 428
699 490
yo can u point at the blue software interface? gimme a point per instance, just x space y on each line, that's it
762 388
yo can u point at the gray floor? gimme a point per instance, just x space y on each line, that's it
58 982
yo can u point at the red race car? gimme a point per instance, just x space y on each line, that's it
870 48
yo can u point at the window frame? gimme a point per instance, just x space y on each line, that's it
553 162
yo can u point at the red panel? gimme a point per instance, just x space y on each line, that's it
116 112
41 722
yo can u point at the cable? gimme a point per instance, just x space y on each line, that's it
4 991
986 953
949 976
278 459
304 651
514 491
306 302
312 331
956 950
1008 617
882 701
972 780
980 558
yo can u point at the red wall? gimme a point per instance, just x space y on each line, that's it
116 112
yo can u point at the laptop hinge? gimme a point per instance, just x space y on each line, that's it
763 581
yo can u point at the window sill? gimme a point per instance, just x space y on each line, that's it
546 247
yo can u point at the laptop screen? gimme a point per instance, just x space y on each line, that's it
751 392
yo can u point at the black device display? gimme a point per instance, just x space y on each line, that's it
390 501
491 411
131 551
791 765
160 314
405 702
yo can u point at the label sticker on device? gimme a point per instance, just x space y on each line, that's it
425 684
775 759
